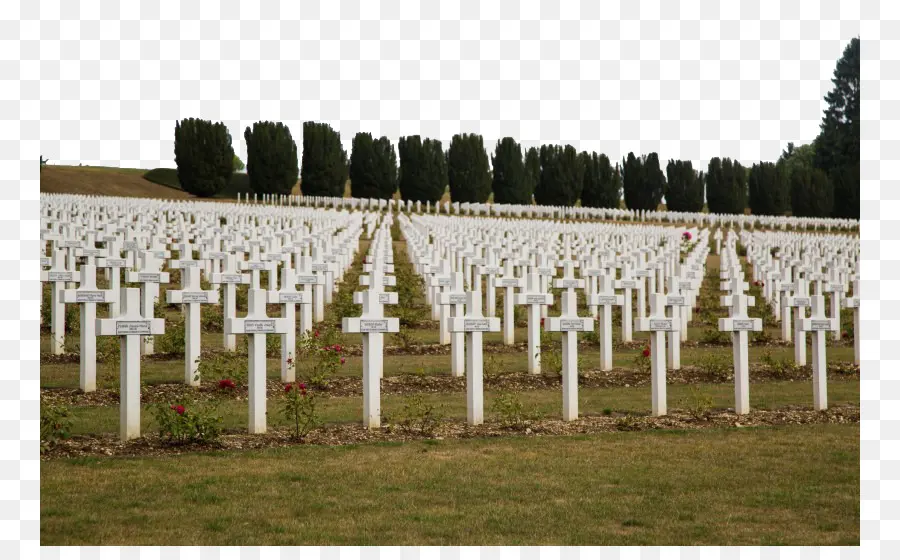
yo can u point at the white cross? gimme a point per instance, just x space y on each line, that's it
58 275
256 325
674 301
452 303
288 297
230 278
150 278
534 299
799 302
191 297
853 303
739 324
491 270
313 285
627 283
372 325
473 324
836 289
113 265
818 323
509 282
604 299
88 296
130 326
569 324
658 325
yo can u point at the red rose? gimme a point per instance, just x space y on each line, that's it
646 352
302 386
337 347
290 361
343 360
178 409
303 392
845 333
542 321
316 334
287 388
226 384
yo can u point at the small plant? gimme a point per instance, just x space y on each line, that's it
715 337
226 384
299 409
628 423
419 417
323 350
510 411
607 412
179 424
56 425
403 339
715 366
781 368
492 365
223 365
642 361
551 355
697 404
172 340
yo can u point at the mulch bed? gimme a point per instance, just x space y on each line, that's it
345 434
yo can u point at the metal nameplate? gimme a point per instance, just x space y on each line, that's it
742 324
373 325
532 299
476 325
627 284
456 299
307 279
231 279
660 324
194 297
115 263
256 266
605 300
801 302
674 300
146 277
124 328
59 276
509 282
820 325
252 326
571 324
290 297
90 296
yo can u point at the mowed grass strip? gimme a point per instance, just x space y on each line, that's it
796 485
543 403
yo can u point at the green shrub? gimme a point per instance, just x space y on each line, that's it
510 412
56 425
179 424
299 410
420 418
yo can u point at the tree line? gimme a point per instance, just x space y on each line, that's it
818 179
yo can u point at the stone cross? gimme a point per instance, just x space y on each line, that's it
786 287
191 297
509 282
256 325
150 278
313 284
658 325
799 302
230 277
569 324
87 295
739 324
627 283
58 275
130 326
836 288
534 299
473 324
113 265
675 300
853 303
604 299
440 280
818 324
288 297
453 301
372 324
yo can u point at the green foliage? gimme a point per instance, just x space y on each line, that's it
172 339
423 169
601 186
768 191
180 424
271 158
43 161
322 350
643 182
467 169
510 412
299 409
204 156
726 186
684 190
697 404
532 172
837 147
510 183
419 417
812 194
562 176
223 365
237 164
323 169
56 425
715 366
373 167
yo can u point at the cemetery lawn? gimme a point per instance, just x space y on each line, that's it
790 485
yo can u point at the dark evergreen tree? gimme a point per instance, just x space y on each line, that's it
323 170
643 183
510 184
684 190
373 167
726 186
204 156
812 194
561 176
768 192
271 158
423 169
601 183
532 171
467 169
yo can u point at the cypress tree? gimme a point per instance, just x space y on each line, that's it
204 156
562 175
467 169
726 186
643 183
532 171
271 158
767 192
812 194
684 190
323 170
509 183
601 183
423 169
373 167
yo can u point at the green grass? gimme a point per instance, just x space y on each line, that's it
794 485
544 402
169 177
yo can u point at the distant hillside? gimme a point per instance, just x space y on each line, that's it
104 181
